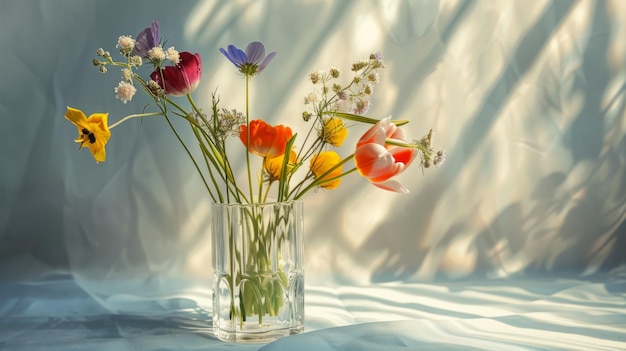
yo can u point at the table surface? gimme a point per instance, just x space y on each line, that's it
548 313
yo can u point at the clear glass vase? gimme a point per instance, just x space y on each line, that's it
258 263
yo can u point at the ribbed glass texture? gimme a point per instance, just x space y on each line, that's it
258 263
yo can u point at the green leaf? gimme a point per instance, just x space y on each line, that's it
363 119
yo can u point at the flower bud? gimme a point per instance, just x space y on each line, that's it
315 77
367 89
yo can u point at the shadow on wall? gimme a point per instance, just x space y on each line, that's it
589 205
570 219
34 195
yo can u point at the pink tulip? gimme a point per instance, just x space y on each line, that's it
379 162
182 78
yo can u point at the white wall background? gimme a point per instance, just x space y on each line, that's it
527 97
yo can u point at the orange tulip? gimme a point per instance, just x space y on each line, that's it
265 140
379 162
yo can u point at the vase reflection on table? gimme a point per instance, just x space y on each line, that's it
257 242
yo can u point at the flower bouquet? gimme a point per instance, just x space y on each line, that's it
258 289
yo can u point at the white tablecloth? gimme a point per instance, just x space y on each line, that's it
548 313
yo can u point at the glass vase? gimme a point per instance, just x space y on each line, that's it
258 263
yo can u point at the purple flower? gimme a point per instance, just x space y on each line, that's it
251 62
147 39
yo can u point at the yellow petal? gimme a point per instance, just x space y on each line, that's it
76 116
273 165
93 132
335 131
98 151
97 124
322 163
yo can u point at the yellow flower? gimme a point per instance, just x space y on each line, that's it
92 131
322 163
334 131
274 165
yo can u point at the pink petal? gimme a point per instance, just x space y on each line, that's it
397 134
372 160
376 134
392 185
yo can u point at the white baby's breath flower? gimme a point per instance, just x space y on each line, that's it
359 65
153 85
173 55
361 107
155 88
229 123
440 158
127 74
135 61
368 89
315 77
126 44
310 98
373 77
343 106
156 54
125 91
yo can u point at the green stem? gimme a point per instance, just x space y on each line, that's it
363 119
190 156
134 116
322 178
248 140
267 192
404 144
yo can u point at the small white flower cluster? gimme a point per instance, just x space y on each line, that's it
353 98
222 124
125 91
439 159
429 156
310 98
229 122
126 44
127 74
155 88
158 56
172 55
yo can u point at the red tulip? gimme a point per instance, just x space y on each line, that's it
182 78
265 140
379 162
